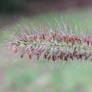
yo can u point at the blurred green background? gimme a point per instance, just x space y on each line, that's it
24 75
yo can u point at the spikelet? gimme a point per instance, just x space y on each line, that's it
52 46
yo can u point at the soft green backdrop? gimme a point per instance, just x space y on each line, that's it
24 75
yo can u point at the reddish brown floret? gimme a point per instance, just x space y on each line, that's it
52 45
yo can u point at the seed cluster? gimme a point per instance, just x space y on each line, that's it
52 46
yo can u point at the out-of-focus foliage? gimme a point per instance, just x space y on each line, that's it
12 5
15 5
23 75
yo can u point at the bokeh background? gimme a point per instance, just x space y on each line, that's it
24 75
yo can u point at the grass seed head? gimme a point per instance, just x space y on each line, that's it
49 45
